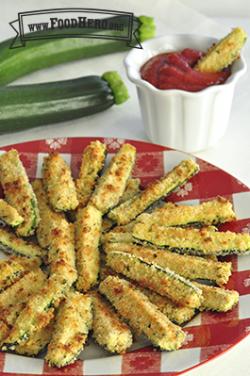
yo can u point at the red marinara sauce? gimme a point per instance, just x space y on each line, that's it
175 70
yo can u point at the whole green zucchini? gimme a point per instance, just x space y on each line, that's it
44 53
26 106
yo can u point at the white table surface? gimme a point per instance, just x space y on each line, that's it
231 154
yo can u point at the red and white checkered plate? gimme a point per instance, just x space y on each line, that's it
208 334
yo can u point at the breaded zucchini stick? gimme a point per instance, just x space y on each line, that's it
57 234
27 263
124 233
200 242
59 183
61 255
223 53
37 313
73 322
93 159
161 280
37 342
217 299
10 243
177 314
10 313
131 190
22 289
130 209
18 192
117 237
49 219
8 318
143 316
10 271
208 213
190 267
88 231
111 185
9 215
13 299
108 330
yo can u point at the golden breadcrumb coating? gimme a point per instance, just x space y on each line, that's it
59 183
192 241
161 280
111 185
108 329
93 159
143 316
18 192
73 322
191 267
88 231
130 209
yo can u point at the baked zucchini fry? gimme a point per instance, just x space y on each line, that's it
10 272
108 330
37 313
111 185
161 280
10 243
93 158
59 184
37 342
22 289
18 192
13 268
130 209
200 242
49 219
190 267
10 313
177 314
57 234
28 263
208 213
61 255
73 322
117 237
223 53
131 190
217 299
9 215
88 232
119 234
13 299
143 316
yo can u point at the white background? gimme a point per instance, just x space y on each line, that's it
231 154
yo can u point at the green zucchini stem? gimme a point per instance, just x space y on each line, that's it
117 86
147 28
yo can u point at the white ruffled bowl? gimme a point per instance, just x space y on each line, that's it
188 121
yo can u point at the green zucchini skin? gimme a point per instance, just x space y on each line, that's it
26 106
44 53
